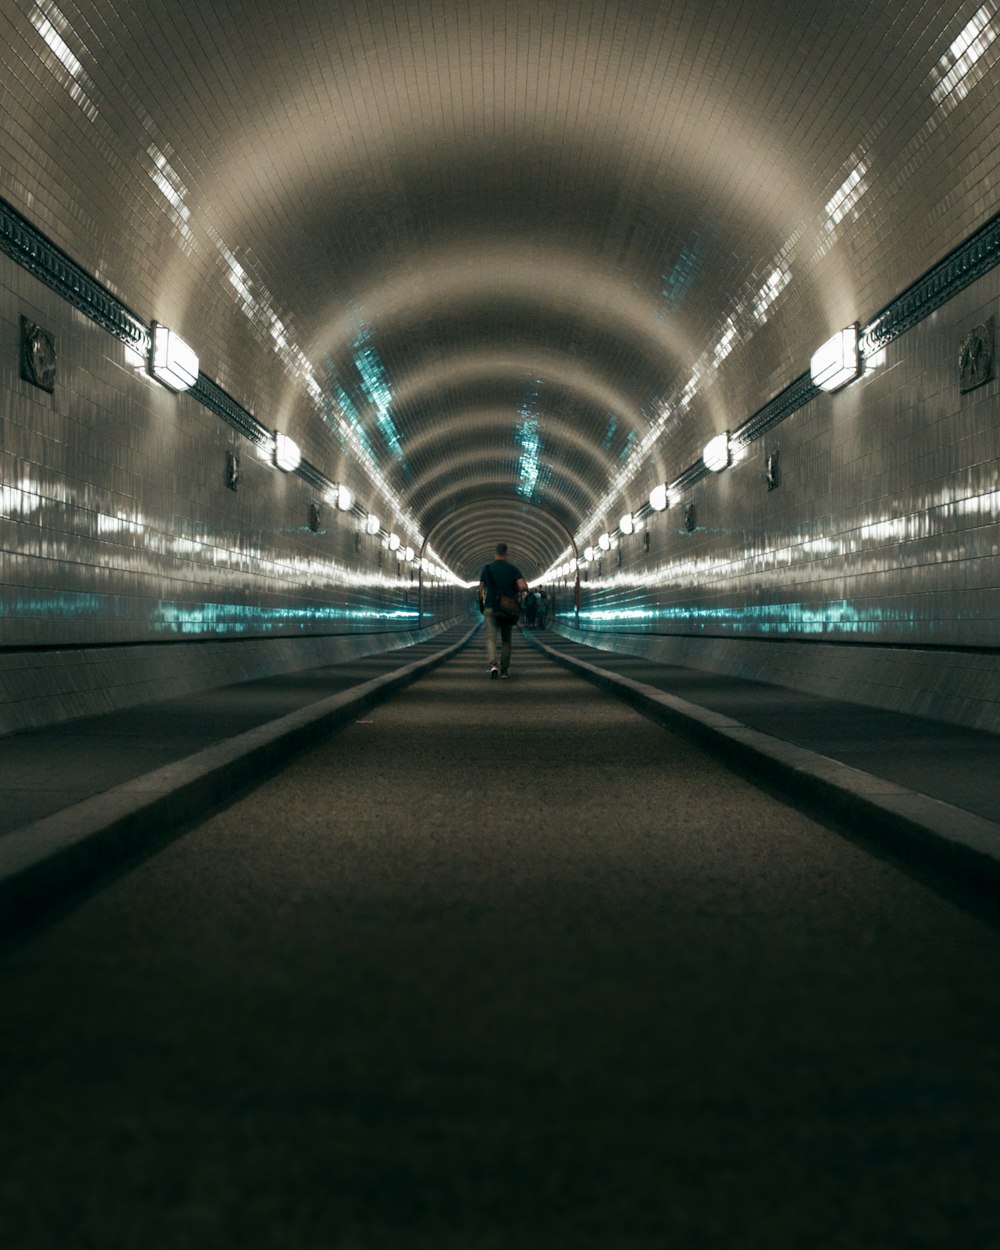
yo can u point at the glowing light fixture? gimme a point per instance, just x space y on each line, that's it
604 542
588 554
410 553
171 361
345 498
716 453
837 362
393 542
658 497
372 524
627 523
287 454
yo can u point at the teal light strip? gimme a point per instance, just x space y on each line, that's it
236 618
838 616
169 617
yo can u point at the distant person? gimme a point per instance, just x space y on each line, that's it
500 583
530 609
543 609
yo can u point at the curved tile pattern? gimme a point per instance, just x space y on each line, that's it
501 269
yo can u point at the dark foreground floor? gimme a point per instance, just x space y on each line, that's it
503 965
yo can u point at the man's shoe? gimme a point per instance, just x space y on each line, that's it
493 673
505 676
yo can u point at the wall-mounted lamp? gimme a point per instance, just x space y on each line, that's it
287 454
588 554
838 361
604 542
716 453
627 524
345 498
393 542
658 497
372 524
171 361
410 553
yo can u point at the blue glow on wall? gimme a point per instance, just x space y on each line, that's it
837 617
202 618
377 388
236 618
629 443
345 405
680 278
529 440
66 604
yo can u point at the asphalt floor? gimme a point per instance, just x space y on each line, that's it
502 964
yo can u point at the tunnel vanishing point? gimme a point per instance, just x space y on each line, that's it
308 304
422 276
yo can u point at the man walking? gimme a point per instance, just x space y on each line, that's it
499 581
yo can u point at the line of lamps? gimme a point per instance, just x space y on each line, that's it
174 364
831 367
838 362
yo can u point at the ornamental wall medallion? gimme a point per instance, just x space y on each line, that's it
975 358
38 356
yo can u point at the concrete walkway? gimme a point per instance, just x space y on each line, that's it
504 964
928 789
82 796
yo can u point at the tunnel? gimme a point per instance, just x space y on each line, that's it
320 317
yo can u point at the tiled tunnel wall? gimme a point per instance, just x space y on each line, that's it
118 531
869 572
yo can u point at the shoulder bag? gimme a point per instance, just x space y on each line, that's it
505 607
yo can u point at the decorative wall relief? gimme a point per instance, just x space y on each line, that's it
38 356
772 469
690 518
975 357
232 470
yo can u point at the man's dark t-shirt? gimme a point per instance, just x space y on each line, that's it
504 580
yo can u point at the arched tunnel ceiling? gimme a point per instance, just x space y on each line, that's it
471 254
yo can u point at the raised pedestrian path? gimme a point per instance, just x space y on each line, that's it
81 795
